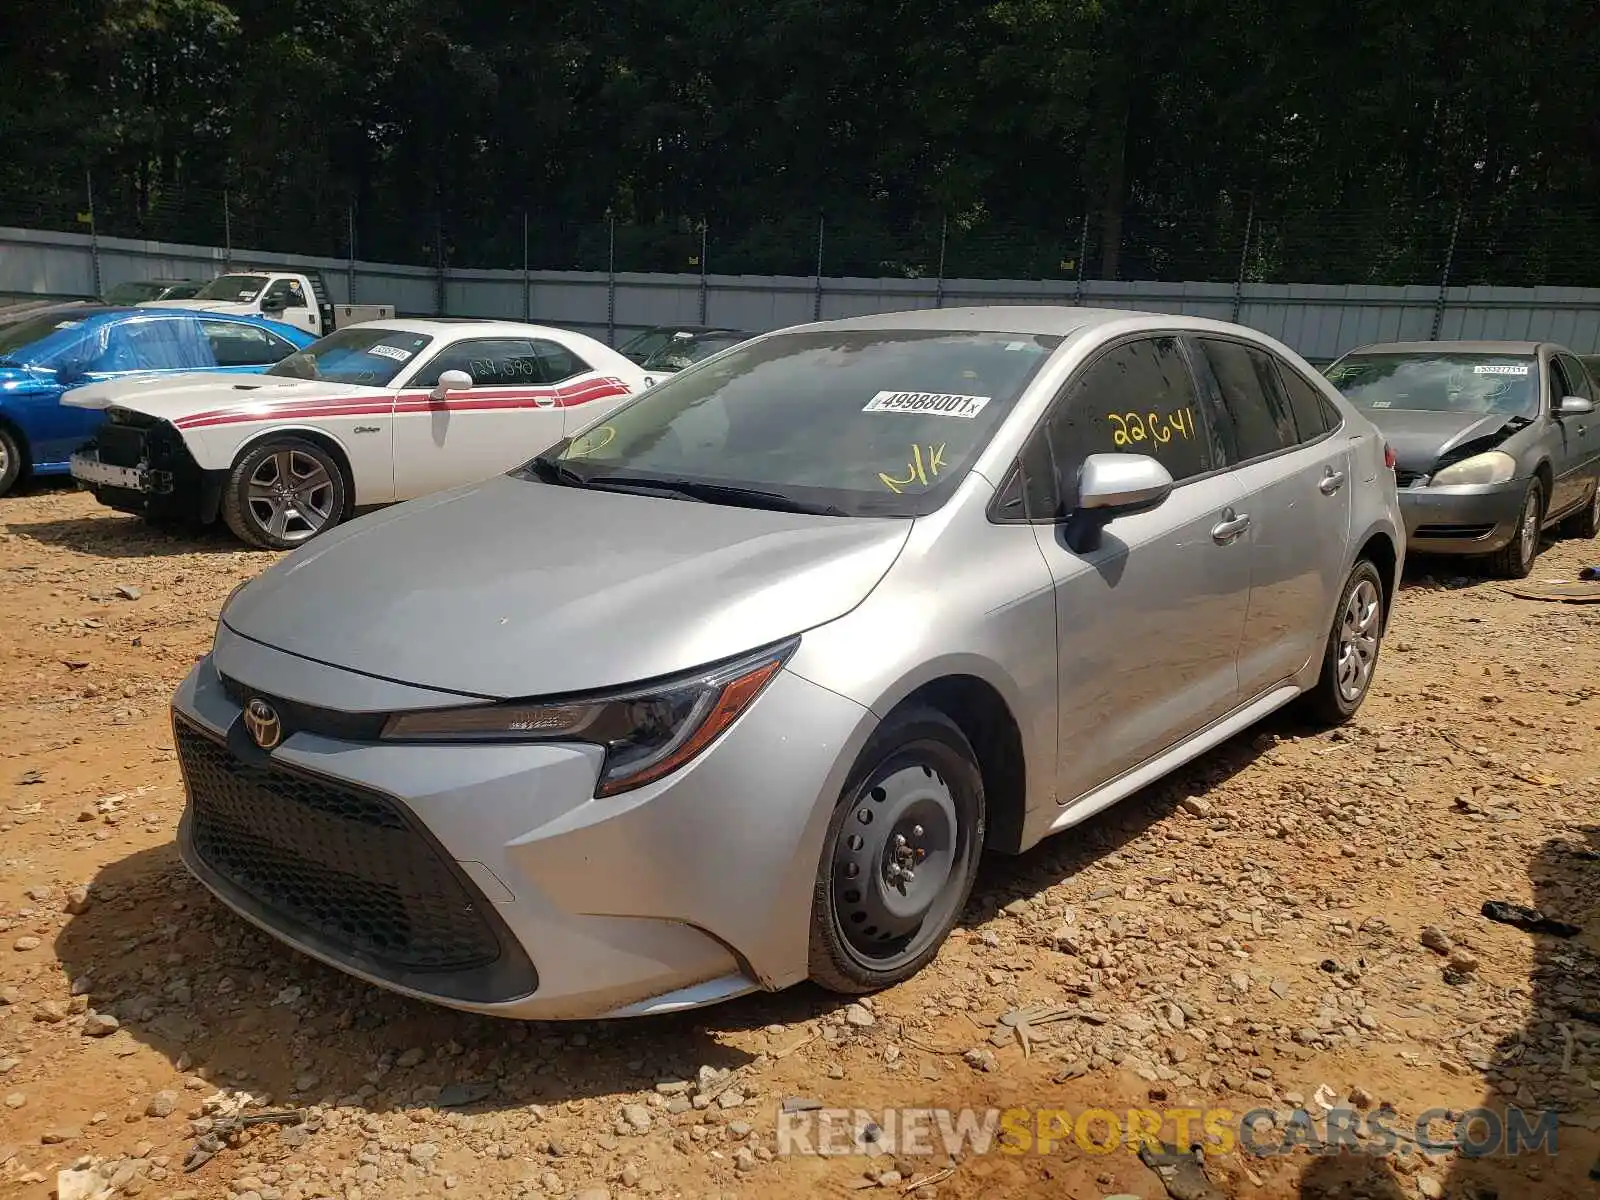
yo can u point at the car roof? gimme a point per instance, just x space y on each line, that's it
1052 320
468 327
1528 349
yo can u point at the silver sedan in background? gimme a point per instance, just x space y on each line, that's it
1495 442
732 688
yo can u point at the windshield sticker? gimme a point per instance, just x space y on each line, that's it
1383 404
393 352
930 404
1500 369
246 297
919 469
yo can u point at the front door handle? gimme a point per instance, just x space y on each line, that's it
1230 528
1331 482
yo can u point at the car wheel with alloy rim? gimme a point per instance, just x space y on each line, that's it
10 460
1587 523
1515 561
1351 654
283 493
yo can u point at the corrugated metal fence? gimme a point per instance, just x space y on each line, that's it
1320 321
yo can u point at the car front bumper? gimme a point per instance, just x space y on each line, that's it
1462 520
488 877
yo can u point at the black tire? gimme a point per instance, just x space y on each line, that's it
1333 701
1586 524
314 496
923 755
1515 561
11 460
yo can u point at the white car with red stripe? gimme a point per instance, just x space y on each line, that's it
369 415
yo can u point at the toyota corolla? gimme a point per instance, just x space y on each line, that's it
731 688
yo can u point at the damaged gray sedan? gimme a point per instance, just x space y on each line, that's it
1494 443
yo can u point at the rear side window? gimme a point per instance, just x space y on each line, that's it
1138 398
1313 415
236 345
1248 390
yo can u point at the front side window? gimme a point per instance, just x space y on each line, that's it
492 362
1577 379
234 289
1431 382
237 345
866 422
368 355
1137 398
155 344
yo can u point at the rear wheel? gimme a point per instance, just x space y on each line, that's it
900 856
1587 523
283 493
1515 561
10 460
1351 654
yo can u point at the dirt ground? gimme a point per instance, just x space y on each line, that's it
1292 923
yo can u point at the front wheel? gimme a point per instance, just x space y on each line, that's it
283 493
1515 561
900 856
10 460
1351 655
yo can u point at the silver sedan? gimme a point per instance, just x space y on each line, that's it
732 688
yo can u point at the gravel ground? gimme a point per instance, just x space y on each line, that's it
1292 922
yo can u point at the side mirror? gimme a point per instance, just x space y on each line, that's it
274 304
1111 486
1574 406
71 371
450 381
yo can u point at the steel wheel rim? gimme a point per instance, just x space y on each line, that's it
1530 527
900 847
1358 640
290 495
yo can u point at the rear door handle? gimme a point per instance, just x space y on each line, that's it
1230 528
1331 482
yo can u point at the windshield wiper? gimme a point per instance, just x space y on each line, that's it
712 493
553 471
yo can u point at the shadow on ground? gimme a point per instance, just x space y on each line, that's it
204 988
1539 1075
117 536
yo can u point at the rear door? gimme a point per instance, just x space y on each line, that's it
1294 471
511 412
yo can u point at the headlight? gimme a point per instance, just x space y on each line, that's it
646 733
1494 467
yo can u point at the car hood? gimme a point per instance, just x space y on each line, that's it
172 397
1421 438
221 306
513 588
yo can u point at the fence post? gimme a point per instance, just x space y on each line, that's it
1444 278
438 258
350 270
1244 258
527 282
938 285
94 237
611 280
1083 253
227 233
703 296
816 305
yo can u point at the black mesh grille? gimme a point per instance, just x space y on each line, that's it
120 445
345 864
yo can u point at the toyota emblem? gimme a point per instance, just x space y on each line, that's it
263 724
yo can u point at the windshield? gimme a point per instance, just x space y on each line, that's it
1464 383
869 422
38 341
181 291
235 289
642 346
134 291
683 352
364 354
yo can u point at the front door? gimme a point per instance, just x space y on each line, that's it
1577 437
285 300
1294 469
511 412
1147 625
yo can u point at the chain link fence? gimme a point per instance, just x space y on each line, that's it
1434 244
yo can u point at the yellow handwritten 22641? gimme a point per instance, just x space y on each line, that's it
919 470
1136 427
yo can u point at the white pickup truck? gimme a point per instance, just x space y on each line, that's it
294 297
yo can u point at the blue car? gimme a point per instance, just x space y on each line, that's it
43 356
